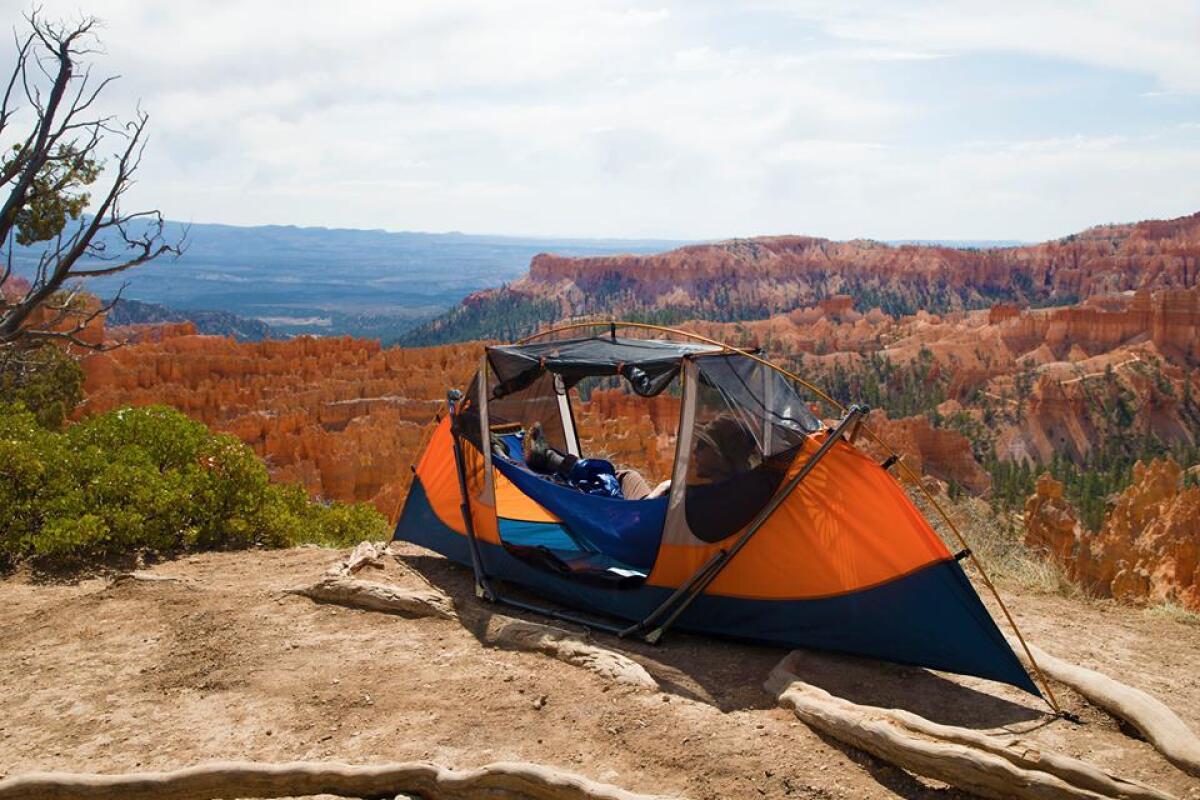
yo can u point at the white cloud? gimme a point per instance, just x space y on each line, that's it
663 119
1159 39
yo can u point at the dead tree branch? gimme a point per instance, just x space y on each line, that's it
47 175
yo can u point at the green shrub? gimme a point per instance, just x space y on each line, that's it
45 379
150 478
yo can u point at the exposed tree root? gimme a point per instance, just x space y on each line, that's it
990 766
495 630
519 780
378 597
1161 727
515 634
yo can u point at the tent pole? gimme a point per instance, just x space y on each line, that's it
483 588
709 572
683 589
584 622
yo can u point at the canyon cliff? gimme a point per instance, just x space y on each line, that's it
1148 549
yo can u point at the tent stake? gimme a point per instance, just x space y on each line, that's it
709 572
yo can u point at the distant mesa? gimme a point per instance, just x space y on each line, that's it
749 279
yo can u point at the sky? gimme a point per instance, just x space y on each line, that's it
886 119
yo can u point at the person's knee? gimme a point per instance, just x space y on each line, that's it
633 485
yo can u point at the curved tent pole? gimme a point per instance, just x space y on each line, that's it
908 471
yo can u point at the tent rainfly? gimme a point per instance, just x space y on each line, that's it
775 529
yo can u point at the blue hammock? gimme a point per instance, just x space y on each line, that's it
626 530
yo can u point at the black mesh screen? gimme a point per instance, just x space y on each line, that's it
537 402
750 423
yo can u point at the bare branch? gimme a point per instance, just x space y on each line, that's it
18 70
50 169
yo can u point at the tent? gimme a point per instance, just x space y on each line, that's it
799 538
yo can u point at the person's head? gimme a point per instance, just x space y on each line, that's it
723 448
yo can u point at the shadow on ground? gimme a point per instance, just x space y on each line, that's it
729 675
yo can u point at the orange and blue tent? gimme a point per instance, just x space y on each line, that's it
796 538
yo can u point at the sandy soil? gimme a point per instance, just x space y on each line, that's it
222 664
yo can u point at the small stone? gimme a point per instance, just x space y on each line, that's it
540 703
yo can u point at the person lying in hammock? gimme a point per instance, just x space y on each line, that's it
591 475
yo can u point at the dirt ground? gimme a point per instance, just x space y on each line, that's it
222 664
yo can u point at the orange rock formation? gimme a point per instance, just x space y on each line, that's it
1150 341
783 272
1148 549
941 453
631 431
84 313
342 416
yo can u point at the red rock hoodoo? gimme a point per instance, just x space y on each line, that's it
342 416
1148 549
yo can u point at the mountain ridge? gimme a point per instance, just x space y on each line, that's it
745 279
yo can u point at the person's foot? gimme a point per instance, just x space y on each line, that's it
534 448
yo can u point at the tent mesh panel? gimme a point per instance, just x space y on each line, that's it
750 424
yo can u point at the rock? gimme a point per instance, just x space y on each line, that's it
1051 525
780 273
1146 550
937 452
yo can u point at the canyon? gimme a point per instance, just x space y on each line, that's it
344 417
980 378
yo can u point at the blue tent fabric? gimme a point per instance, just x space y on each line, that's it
929 618
540 534
626 530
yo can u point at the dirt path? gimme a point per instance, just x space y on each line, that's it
142 675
